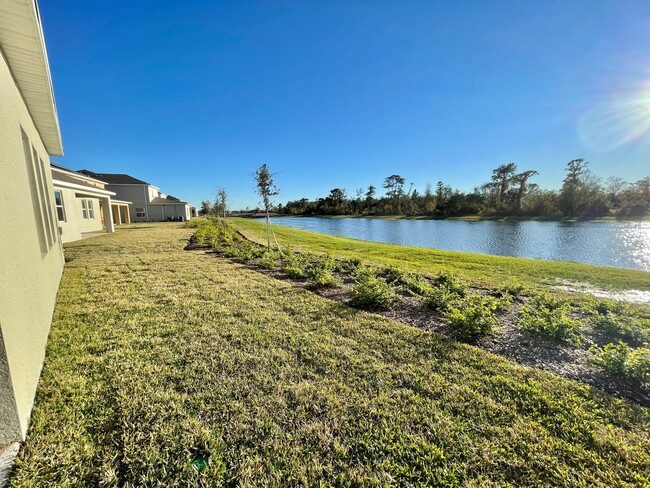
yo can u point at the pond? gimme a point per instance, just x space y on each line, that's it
619 244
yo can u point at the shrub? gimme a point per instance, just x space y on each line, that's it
546 301
553 323
623 326
610 307
268 260
372 292
450 282
511 289
472 316
417 285
353 264
440 299
294 264
622 360
194 223
246 253
320 271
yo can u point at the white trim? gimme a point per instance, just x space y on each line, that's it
77 175
87 189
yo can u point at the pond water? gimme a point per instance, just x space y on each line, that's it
619 244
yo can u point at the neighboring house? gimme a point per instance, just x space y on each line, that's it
83 205
148 204
31 256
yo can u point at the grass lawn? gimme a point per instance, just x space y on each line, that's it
480 269
162 361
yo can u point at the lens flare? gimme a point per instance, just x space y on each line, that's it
616 122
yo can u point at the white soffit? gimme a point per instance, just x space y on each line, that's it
23 45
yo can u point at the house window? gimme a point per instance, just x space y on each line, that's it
139 212
41 198
58 201
87 208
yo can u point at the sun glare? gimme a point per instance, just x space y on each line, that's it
618 121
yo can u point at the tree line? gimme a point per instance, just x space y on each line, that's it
509 192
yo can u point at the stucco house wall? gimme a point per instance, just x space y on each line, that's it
31 259
136 194
75 223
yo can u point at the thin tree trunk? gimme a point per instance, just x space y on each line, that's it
268 231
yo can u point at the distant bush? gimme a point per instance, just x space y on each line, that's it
622 360
551 322
472 316
372 292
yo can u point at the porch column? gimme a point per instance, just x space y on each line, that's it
127 216
108 219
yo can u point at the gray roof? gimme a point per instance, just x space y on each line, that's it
114 178
167 201
64 178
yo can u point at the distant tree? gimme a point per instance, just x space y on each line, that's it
502 177
394 185
221 203
266 189
521 180
575 169
206 208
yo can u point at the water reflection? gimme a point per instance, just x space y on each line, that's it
621 244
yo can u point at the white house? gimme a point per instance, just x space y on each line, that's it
84 205
148 204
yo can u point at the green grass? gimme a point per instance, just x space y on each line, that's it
159 359
481 269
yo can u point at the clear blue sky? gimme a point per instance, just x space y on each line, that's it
193 95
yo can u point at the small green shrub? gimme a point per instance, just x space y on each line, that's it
546 301
553 323
194 223
372 292
268 260
393 274
511 289
472 316
622 360
294 263
246 253
629 328
450 282
319 272
353 264
610 307
440 299
418 285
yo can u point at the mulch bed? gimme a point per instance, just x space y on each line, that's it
510 341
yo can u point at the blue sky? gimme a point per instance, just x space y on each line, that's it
195 95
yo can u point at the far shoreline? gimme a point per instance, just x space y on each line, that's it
463 218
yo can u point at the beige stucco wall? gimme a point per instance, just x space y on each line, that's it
29 279
75 223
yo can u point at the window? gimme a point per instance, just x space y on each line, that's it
87 208
58 201
40 195
139 212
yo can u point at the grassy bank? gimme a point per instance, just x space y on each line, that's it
477 268
173 368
